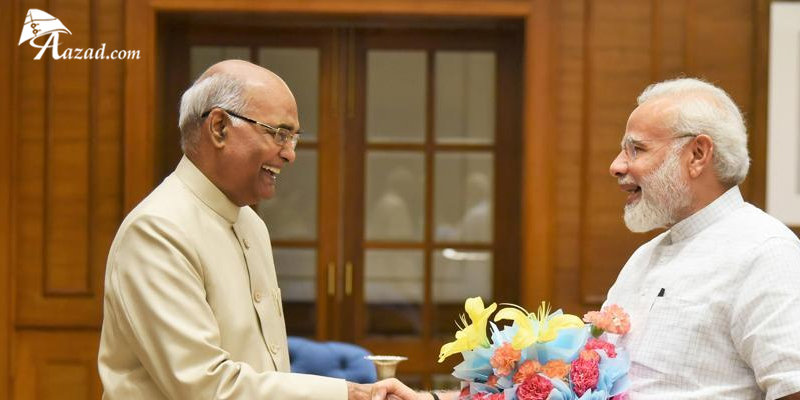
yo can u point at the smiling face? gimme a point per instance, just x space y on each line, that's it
654 178
251 159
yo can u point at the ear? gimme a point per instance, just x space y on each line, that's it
702 151
218 126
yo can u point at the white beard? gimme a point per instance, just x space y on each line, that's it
664 195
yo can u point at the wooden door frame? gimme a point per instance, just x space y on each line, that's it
8 87
538 107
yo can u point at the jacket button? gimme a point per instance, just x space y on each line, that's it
257 297
245 243
273 348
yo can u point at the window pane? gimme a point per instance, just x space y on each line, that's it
457 276
463 197
292 213
296 270
396 82
394 291
203 57
395 191
465 97
299 68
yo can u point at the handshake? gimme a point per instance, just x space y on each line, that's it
391 389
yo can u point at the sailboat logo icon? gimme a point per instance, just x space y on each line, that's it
39 23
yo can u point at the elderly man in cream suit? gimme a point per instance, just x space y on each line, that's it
192 307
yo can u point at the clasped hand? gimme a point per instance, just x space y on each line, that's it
387 389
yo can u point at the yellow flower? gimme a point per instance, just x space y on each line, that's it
471 335
540 328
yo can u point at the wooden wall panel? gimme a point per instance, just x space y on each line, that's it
568 188
66 160
57 365
609 51
721 49
29 182
618 67
669 38
69 180
538 159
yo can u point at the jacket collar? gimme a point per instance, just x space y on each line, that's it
206 191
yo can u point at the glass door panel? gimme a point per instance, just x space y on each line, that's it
458 275
394 292
394 200
465 96
464 205
396 90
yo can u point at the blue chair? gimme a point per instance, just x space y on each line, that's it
333 359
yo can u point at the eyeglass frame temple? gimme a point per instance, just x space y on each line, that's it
293 137
629 142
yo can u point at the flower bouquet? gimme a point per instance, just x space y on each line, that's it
540 356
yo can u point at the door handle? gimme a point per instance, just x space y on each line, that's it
348 278
331 278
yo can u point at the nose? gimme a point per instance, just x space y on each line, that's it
288 153
619 167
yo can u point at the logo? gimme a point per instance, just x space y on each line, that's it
39 24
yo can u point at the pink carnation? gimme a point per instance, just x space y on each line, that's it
492 381
597 344
488 396
611 319
584 374
536 387
504 358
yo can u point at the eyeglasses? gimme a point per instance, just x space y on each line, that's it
280 135
632 147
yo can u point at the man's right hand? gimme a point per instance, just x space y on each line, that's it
387 389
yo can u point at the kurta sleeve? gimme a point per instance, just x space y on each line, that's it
157 300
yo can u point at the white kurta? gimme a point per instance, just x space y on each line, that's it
192 307
728 323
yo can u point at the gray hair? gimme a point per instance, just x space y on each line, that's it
218 90
706 109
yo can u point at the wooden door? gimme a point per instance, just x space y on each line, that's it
379 239
431 189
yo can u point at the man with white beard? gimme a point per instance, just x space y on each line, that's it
714 300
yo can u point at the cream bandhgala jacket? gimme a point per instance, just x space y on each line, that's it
192 308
